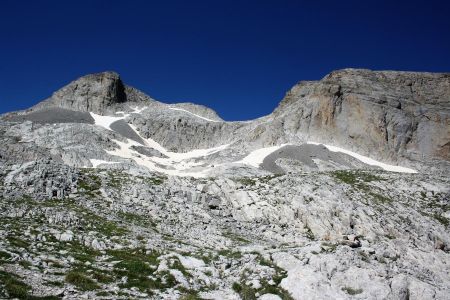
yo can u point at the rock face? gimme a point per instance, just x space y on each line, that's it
106 193
95 93
390 115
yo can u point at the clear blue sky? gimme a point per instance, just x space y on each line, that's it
237 57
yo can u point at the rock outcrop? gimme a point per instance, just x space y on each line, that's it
390 115
95 93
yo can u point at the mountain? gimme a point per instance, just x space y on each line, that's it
109 193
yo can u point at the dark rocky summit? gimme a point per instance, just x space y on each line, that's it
94 93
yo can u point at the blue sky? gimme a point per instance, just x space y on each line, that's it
237 57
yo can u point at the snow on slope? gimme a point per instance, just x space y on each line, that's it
367 160
96 162
106 121
178 164
256 157
198 116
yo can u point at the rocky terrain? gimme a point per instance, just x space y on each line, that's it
343 192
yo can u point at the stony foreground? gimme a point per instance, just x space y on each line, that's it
105 234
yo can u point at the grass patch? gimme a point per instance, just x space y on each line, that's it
189 295
177 265
246 181
230 253
353 177
14 287
441 219
136 265
81 281
352 291
155 180
309 234
90 184
235 237
16 242
276 290
380 198
137 219
81 252
4 256
245 292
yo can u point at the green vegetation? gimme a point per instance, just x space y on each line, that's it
352 291
137 219
90 183
246 292
266 179
380 199
17 242
354 177
14 287
441 219
81 281
4 256
155 180
276 290
230 253
80 252
189 294
359 179
235 237
309 233
24 263
137 265
177 265
246 181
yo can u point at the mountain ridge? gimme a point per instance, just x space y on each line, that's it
396 117
106 193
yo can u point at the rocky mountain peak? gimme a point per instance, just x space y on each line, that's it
94 92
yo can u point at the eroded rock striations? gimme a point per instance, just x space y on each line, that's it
341 193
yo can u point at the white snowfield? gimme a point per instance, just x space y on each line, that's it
256 157
198 116
106 121
96 162
176 164
367 160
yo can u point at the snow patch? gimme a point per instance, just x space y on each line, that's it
176 164
256 157
106 121
367 160
96 162
198 116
